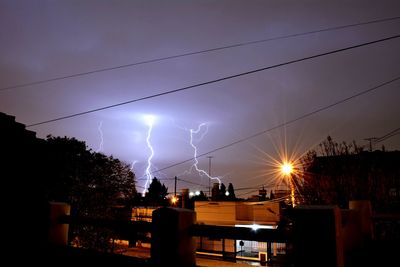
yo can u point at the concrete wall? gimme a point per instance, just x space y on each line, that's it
58 232
219 213
231 212
351 230
244 212
266 212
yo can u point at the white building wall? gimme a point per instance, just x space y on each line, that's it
266 213
216 213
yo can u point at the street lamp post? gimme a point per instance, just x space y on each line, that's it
287 170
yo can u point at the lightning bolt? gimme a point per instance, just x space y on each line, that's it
99 128
200 171
133 165
149 121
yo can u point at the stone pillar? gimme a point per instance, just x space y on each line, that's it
317 236
171 243
58 232
351 230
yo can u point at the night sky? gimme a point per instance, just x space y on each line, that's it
249 121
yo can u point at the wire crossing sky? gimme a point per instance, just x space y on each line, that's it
194 53
215 81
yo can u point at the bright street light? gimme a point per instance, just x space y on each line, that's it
287 168
174 199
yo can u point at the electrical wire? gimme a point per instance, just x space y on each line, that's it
216 80
193 53
387 136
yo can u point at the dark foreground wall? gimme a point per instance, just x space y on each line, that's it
317 237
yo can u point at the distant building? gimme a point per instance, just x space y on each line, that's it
142 213
21 160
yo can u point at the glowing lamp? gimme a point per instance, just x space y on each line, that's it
287 168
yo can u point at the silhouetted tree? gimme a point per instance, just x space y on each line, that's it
222 192
91 182
157 192
82 177
231 192
344 172
327 178
215 192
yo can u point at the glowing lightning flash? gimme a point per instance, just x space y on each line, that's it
101 137
149 119
200 171
133 165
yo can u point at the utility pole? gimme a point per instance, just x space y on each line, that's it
370 139
176 178
209 174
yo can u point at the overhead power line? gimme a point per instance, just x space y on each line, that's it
374 140
387 136
286 123
193 53
217 80
189 182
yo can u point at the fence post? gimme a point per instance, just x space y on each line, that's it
58 232
171 242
